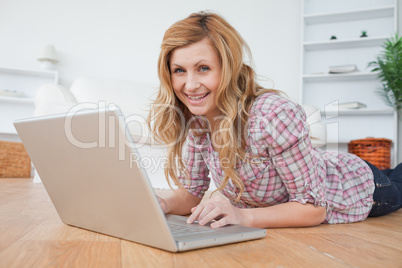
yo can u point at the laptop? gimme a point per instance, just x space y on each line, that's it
85 161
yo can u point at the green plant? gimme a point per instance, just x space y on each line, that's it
389 67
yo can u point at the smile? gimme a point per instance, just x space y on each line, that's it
197 97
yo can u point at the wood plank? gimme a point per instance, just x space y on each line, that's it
21 213
55 229
375 233
32 235
346 248
136 255
53 253
277 250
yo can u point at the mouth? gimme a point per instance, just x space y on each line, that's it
196 98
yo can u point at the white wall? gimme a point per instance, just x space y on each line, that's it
121 38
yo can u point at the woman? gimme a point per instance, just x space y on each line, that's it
252 141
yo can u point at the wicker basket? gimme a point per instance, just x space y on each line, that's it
14 160
374 150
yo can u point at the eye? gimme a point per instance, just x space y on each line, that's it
204 68
178 70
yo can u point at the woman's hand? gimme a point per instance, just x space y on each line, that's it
163 204
178 202
218 209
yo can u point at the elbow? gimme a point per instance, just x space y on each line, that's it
319 215
312 215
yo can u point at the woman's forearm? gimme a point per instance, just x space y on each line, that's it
179 202
290 214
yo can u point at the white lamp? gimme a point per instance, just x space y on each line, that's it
48 57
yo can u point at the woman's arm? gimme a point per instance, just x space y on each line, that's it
178 202
291 214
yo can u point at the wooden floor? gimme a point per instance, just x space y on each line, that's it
32 235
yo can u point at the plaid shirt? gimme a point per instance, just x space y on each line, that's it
284 167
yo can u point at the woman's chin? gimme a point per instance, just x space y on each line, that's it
197 112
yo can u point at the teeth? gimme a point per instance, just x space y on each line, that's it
198 97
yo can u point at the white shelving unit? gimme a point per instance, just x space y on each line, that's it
347 20
339 77
348 43
359 14
26 82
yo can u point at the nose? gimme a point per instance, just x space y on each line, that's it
192 82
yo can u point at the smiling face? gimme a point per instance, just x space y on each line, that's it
196 75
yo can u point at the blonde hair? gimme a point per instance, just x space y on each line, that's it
238 86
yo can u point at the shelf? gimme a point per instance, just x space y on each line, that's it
346 19
334 142
358 42
340 142
9 133
370 13
358 112
17 100
30 72
339 77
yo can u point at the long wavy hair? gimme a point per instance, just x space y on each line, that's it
237 90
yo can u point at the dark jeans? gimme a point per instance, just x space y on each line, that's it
388 190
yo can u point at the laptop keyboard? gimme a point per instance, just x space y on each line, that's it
180 229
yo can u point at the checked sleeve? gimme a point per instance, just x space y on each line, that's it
284 132
198 182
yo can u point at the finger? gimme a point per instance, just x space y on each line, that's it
194 215
210 216
222 222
